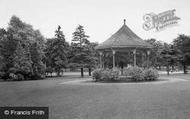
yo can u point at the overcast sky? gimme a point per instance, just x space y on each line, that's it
100 18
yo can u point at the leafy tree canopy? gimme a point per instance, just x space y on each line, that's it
56 52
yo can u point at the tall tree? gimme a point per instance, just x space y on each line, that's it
56 52
91 56
79 46
22 63
182 44
16 44
156 59
169 54
3 34
8 49
37 61
80 38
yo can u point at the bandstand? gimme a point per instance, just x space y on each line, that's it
124 40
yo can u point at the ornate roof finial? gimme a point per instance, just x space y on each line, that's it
124 21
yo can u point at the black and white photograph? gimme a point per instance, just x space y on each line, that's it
94 59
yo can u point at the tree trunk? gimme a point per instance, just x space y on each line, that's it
173 69
89 71
168 70
184 68
58 73
82 72
159 67
62 73
122 68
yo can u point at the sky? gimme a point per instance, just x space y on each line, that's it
100 18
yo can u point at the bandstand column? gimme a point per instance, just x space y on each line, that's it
135 60
100 53
103 60
142 59
113 52
148 54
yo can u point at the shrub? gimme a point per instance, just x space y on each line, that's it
2 74
12 70
109 75
150 74
13 77
135 73
37 76
105 74
96 74
115 74
131 73
20 77
16 77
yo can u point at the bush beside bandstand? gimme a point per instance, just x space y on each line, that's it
132 74
105 75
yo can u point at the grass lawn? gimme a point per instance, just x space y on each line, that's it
105 101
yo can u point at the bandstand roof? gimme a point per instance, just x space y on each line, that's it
123 38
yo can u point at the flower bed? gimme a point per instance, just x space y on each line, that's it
105 75
134 74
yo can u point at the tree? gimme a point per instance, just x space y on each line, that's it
22 62
2 33
182 44
80 39
37 61
155 57
56 52
2 36
79 45
8 48
16 42
91 56
169 54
